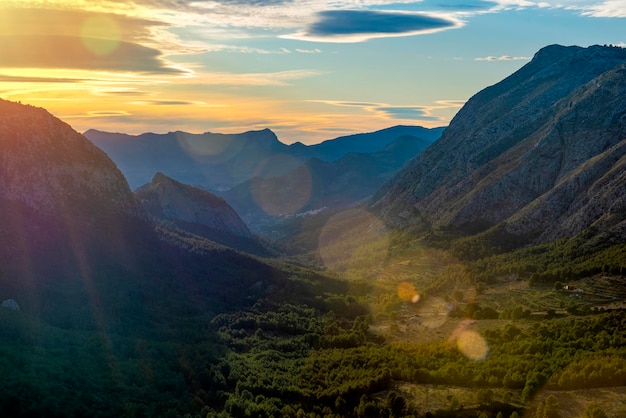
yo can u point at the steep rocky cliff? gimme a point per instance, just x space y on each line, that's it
541 151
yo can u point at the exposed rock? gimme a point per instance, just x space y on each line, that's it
48 166
168 199
542 151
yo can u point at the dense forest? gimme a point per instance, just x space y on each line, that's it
300 343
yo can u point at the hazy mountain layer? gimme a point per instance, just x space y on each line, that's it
212 161
322 185
542 151
218 162
365 143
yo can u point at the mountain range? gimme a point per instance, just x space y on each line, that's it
218 162
320 185
150 303
537 156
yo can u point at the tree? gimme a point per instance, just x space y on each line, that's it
593 410
484 396
550 407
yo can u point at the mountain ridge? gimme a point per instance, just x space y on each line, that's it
512 143
218 162
324 185
71 171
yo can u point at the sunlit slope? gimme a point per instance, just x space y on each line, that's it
541 151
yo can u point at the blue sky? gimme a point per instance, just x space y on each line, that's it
309 70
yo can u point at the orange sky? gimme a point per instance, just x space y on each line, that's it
308 73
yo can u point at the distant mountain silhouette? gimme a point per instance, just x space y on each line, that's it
218 162
365 143
541 155
321 185
211 161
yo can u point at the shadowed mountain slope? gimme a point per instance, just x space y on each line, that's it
365 143
196 211
212 161
322 185
218 162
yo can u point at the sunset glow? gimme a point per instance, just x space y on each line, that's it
310 70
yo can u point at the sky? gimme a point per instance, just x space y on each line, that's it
309 70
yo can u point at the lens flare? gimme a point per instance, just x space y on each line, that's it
469 342
472 345
213 148
353 239
407 292
283 195
100 35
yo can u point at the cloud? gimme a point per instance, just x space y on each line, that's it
46 51
66 38
413 112
591 8
406 112
609 8
19 79
71 22
361 25
502 58
70 52
309 51
167 103
278 78
99 114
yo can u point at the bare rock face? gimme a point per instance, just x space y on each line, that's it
541 151
168 199
49 167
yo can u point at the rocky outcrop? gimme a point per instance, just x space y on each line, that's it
165 198
49 167
542 151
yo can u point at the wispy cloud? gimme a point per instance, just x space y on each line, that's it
168 103
591 8
278 78
608 8
309 51
99 114
502 58
399 112
25 79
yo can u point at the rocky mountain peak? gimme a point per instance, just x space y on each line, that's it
49 167
522 151
168 199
